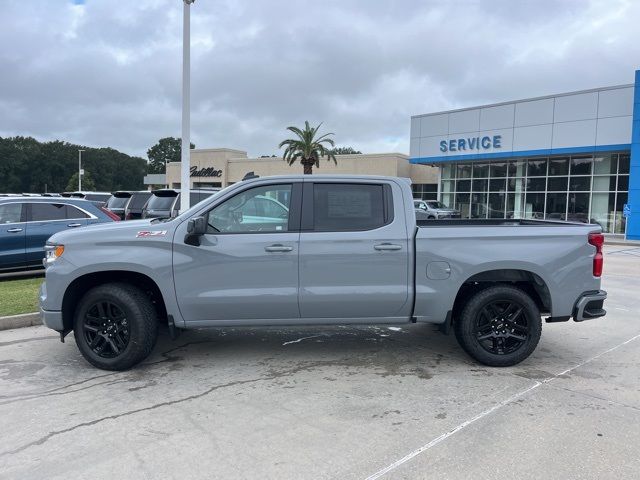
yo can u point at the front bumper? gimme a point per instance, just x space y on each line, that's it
589 306
52 319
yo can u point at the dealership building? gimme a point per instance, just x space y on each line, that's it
220 167
573 156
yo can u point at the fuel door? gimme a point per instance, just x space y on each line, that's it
438 270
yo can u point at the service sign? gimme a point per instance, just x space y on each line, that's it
465 144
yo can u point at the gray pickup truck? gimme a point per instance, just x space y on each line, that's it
323 250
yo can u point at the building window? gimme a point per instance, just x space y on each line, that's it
580 188
427 191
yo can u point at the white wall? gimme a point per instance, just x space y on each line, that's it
581 119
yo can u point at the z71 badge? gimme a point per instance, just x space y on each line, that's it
151 233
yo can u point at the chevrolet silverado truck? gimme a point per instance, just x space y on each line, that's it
326 250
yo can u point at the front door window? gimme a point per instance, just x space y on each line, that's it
260 209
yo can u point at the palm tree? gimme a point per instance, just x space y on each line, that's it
307 148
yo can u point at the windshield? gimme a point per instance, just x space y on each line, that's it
436 205
160 203
117 202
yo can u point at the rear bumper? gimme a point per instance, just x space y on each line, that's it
589 306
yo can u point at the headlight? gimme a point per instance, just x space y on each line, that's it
52 253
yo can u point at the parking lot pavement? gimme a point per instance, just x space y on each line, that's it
332 403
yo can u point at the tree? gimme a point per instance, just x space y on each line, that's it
345 151
307 148
168 149
87 183
27 165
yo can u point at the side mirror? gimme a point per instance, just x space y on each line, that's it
196 227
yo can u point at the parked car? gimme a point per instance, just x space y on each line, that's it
165 203
99 198
27 222
351 252
432 209
134 208
118 202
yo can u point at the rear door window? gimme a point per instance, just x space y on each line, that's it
75 212
11 213
42 212
344 207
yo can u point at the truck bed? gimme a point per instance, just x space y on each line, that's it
486 222
556 255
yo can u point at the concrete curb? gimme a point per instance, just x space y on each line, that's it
622 243
20 321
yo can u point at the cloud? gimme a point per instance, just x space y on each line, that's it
108 73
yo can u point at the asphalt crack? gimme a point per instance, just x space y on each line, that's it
271 375
58 390
55 433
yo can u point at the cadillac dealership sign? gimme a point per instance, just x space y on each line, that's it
205 172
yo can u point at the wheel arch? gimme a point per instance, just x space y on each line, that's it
81 285
526 280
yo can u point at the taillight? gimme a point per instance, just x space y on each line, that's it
597 240
110 214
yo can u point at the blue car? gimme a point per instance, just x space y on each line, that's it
27 222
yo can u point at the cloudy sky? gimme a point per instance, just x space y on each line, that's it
108 72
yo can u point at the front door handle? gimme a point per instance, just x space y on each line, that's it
14 230
73 225
278 248
387 247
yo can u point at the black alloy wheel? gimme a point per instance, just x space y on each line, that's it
106 329
115 326
501 327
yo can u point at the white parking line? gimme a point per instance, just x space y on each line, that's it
489 411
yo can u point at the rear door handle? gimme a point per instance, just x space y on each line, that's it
278 248
387 246
14 230
74 225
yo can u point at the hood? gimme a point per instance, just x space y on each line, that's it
111 231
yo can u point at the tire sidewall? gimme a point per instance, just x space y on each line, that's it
466 331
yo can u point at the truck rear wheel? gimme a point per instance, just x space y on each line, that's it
115 326
499 326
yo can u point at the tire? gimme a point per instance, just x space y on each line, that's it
431 217
115 326
499 326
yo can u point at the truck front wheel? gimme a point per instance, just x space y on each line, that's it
499 326
115 326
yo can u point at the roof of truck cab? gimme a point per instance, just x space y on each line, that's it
326 176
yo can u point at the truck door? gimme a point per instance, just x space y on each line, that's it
354 252
246 266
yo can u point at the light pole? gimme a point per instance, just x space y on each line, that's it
185 181
80 170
